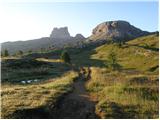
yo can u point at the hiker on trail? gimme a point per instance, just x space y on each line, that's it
82 72
89 73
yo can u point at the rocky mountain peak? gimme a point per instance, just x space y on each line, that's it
116 30
61 32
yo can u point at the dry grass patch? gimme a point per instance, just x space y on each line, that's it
19 97
122 95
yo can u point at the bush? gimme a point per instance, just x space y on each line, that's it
112 59
65 57
20 53
5 53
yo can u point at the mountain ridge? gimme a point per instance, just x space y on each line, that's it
60 37
119 29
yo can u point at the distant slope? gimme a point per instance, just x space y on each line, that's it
39 44
25 46
140 53
133 90
59 38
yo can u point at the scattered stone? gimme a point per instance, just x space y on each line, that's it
35 80
24 82
29 81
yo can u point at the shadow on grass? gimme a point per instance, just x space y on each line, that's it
154 68
82 57
15 71
79 56
147 47
34 113
113 110
51 54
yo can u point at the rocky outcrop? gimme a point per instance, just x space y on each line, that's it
116 30
59 38
60 33
79 36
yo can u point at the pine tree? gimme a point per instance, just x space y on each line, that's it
20 53
30 51
5 54
112 59
65 57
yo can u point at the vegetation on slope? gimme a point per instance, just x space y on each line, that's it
124 95
134 54
128 92
17 70
20 100
132 91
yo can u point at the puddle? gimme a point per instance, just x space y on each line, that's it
29 81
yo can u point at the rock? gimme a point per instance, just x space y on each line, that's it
24 82
62 39
35 80
79 36
60 33
116 30
29 81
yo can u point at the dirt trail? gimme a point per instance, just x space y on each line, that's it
76 104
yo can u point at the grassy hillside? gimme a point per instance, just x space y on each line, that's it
140 54
131 91
124 95
17 70
26 101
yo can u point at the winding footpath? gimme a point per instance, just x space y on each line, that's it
78 104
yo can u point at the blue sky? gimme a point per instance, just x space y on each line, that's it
31 20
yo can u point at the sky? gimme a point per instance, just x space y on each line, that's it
35 19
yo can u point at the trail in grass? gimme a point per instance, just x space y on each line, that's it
77 104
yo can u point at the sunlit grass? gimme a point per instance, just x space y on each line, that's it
16 97
131 92
134 54
122 95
